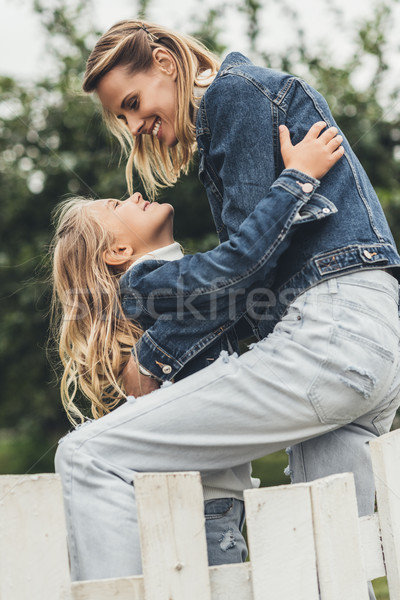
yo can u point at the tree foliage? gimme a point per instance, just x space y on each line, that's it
53 143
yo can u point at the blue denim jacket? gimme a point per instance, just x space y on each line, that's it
285 252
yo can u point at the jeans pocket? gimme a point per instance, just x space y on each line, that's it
216 509
352 379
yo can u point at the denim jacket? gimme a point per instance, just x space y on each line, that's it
274 245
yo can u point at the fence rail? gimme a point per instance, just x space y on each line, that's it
304 540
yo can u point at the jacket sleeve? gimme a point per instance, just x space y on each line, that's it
188 291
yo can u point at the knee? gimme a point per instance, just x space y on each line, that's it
63 454
67 451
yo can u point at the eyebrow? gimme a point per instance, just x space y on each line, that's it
127 98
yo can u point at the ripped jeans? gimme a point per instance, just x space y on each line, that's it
224 523
325 382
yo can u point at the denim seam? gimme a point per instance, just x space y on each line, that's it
359 308
213 517
242 276
341 332
349 161
148 411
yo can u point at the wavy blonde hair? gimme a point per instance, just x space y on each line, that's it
93 335
131 44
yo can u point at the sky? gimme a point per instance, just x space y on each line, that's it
25 53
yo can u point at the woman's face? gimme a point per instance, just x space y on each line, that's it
145 101
138 226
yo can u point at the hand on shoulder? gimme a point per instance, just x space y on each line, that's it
317 152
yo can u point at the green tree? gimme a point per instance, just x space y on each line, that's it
53 143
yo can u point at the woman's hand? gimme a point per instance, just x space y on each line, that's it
316 154
136 384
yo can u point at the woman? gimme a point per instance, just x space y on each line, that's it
326 379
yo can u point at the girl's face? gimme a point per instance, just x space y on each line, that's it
138 226
145 101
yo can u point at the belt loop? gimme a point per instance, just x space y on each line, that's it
333 287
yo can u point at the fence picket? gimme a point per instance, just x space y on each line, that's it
33 539
340 563
298 535
231 581
227 582
372 547
281 542
124 588
385 453
172 534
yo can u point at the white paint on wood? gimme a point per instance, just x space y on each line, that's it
33 539
125 588
230 582
341 572
281 542
385 453
372 546
172 534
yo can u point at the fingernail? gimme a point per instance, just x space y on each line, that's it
281 127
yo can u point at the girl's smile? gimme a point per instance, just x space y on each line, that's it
138 226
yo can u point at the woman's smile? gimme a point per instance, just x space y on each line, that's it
146 101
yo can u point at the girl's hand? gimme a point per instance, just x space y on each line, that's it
136 384
316 154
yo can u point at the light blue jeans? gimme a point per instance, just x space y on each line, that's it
325 382
224 523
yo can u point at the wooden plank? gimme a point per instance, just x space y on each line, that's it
372 546
33 539
227 582
172 534
124 588
340 564
281 543
230 582
385 454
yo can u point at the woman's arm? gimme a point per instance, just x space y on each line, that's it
215 283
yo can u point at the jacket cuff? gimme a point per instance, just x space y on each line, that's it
297 183
155 360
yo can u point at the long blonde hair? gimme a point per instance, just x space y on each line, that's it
94 337
131 43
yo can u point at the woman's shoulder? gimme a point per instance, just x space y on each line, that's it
238 71
240 82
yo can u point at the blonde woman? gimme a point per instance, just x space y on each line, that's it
324 378
102 250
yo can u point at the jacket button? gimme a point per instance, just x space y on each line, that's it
367 254
307 188
326 210
166 369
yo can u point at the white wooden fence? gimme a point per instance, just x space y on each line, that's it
302 538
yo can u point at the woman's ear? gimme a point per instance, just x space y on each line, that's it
118 255
164 60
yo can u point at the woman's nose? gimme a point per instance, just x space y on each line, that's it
135 125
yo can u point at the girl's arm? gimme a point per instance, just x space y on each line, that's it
206 292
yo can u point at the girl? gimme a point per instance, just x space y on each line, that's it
324 378
102 245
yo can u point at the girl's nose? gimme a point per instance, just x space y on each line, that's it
136 197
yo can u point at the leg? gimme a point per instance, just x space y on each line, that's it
224 522
311 376
341 451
